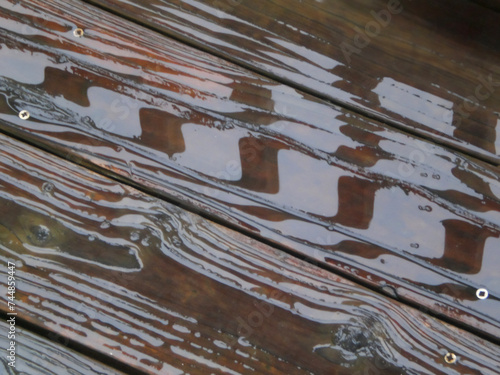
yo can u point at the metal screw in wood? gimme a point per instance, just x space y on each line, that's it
482 293
78 32
24 115
450 358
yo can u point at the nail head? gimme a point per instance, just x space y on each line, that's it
482 293
24 115
450 358
78 32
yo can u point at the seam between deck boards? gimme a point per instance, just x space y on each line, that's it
372 116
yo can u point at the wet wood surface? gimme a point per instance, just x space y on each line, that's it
430 67
36 355
167 292
412 219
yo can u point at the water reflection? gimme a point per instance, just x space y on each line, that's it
416 105
464 246
259 164
277 169
269 168
162 131
75 92
356 198
468 121
279 162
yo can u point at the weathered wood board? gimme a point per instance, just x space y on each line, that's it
35 355
410 218
430 67
168 292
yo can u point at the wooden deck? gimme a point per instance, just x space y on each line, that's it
218 187
428 67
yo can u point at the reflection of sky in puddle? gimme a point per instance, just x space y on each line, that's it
303 182
317 58
114 112
313 71
408 222
417 105
288 103
317 139
416 165
491 259
22 69
211 151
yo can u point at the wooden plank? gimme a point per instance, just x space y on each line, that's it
425 66
36 355
168 292
407 217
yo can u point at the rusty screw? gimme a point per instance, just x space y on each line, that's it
78 32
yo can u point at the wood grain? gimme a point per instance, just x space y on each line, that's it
429 67
407 217
168 292
35 355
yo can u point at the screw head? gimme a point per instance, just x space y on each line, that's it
482 293
24 115
450 358
78 32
